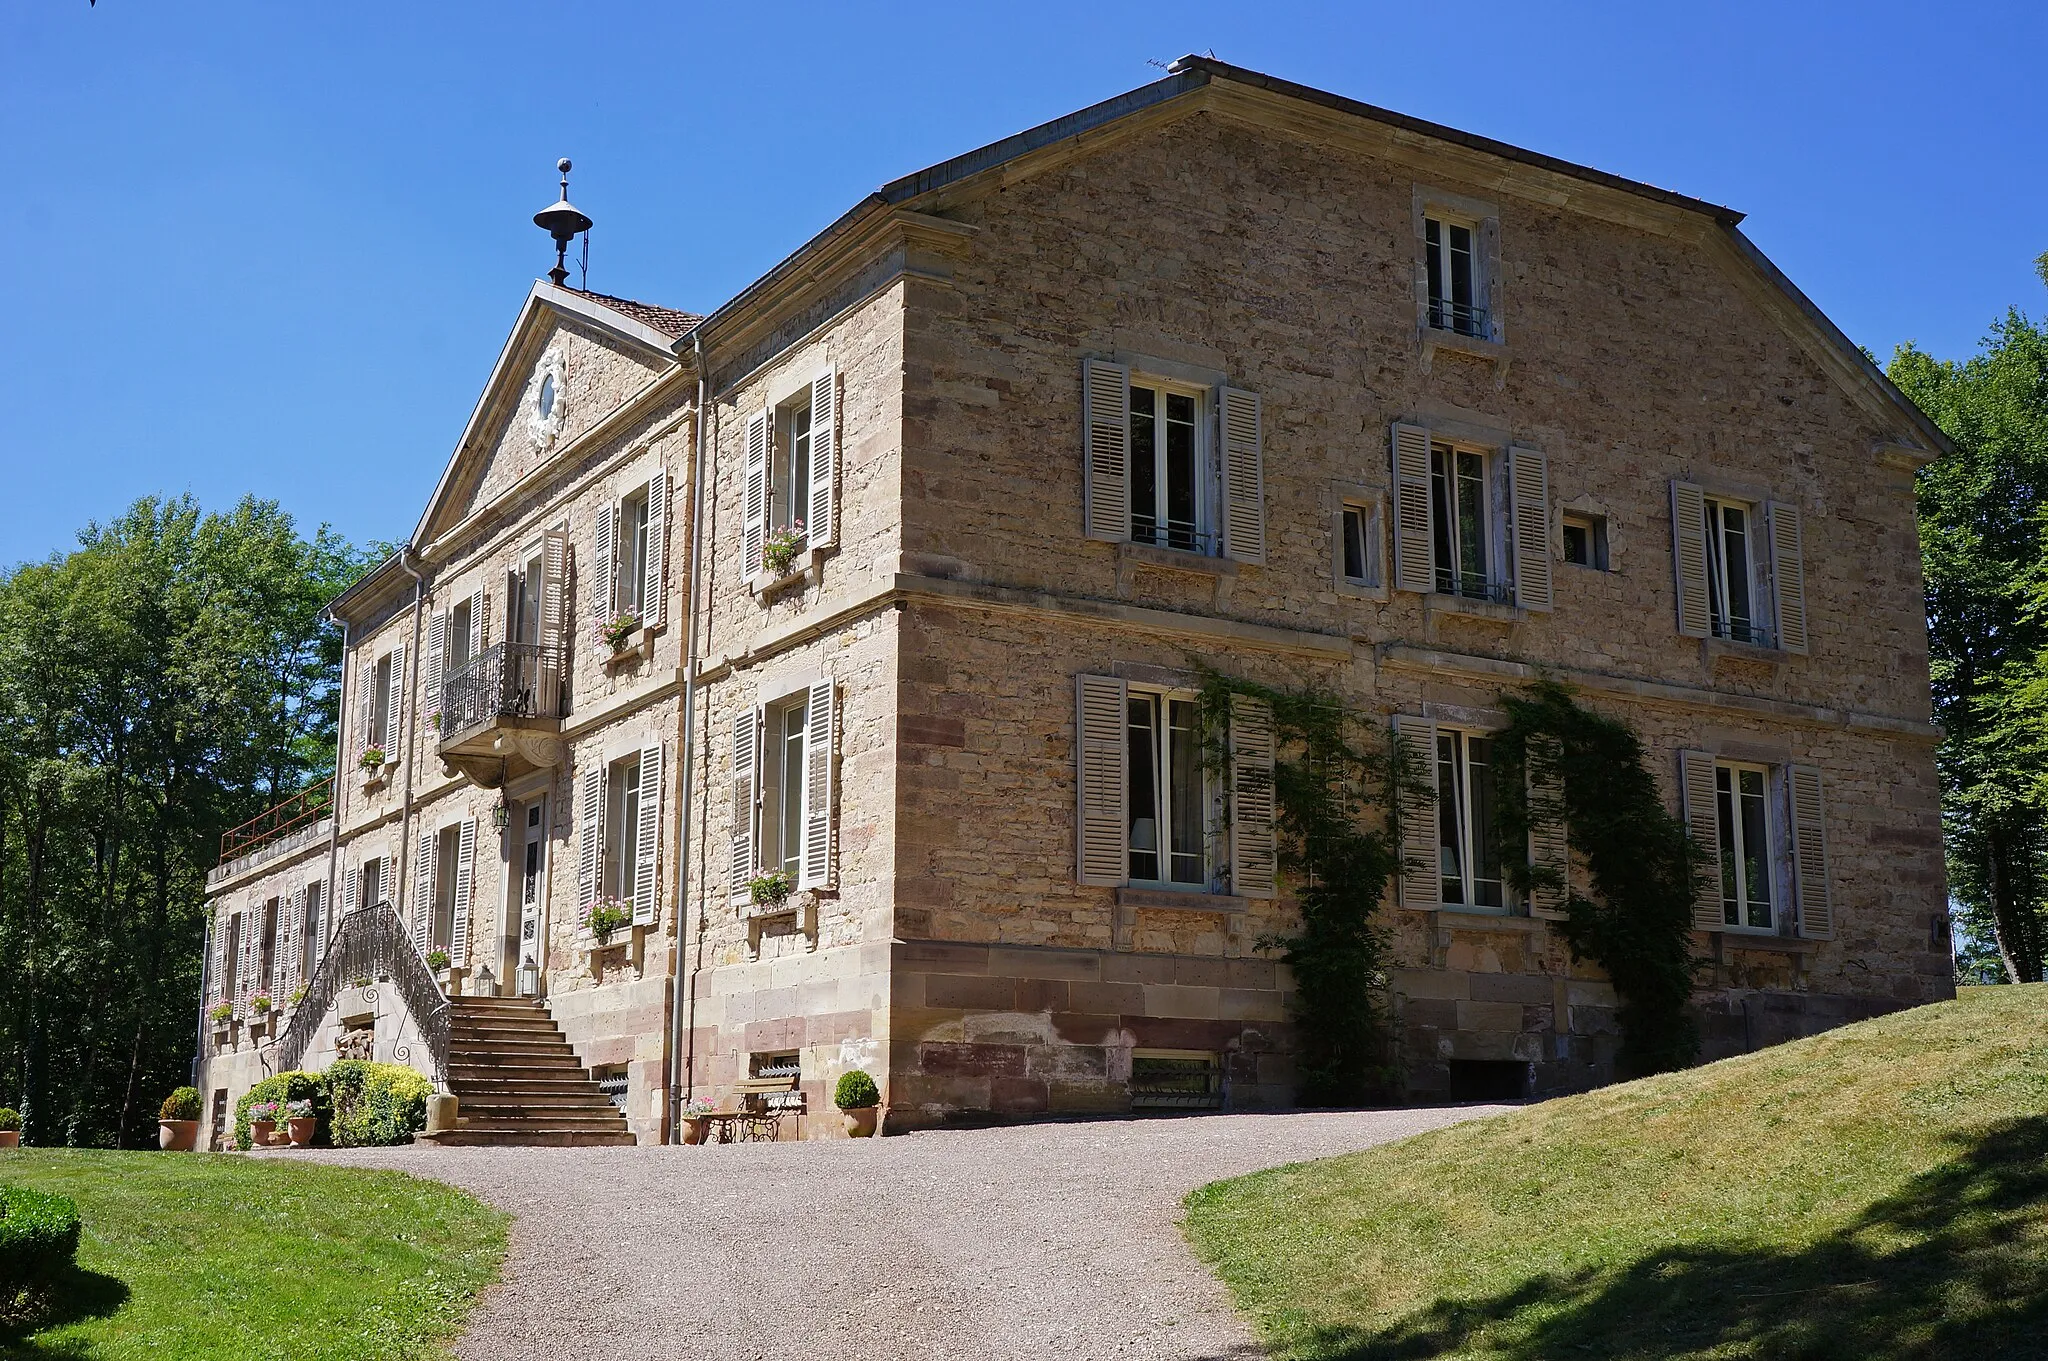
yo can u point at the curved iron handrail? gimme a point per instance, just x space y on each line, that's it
371 942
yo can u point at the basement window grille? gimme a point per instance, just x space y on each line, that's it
1176 1080
613 1085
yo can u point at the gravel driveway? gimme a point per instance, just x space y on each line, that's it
1024 1242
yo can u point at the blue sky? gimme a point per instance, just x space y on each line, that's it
275 248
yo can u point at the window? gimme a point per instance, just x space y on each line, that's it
621 834
375 889
266 955
1732 582
1453 276
1742 804
1166 464
789 484
231 958
1585 541
629 571
1167 800
447 855
1176 1079
455 654
1358 544
309 931
547 396
522 620
1468 853
1461 504
782 787
379 734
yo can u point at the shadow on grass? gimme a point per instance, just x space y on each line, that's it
73 1297
1954 1265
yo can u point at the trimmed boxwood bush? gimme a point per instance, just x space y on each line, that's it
182 1104
38 1240
856 1091
377 1103
282 1087
10 1118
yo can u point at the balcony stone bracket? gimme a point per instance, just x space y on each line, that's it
508 753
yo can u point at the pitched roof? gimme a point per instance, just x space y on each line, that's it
667 320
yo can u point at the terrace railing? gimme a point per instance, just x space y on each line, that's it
302 809
372 943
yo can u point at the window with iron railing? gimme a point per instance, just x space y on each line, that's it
1456 283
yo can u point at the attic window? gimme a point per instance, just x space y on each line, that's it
547 396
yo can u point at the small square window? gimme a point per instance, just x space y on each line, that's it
1585 541
1358 544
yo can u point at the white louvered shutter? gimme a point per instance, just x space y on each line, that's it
1254 864
1549 841
465 891
319 911
245 965
1422 885
394 707
285 968
819 714
366 705
601 594
589 841
216 986
479 626
423 895
1788 576
1102 855
554 621
1106 452
437 655
746 744
1810 853
754 530
654 580
821 530
1244 475
1689 562
351 890
647 838
1703 822
1414 546
1529 498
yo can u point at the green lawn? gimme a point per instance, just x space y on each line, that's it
1873 1194
224 1257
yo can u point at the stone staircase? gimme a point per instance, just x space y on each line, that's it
516 1081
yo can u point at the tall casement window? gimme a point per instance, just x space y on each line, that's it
376 885
782 774
444 875
792 465
264 958
618 829
1151 812
313 927
630 573
454 638
1449 248
1468 848
380 701
525 589
1471 522
1762 824
1168 801
1740 568
1173 464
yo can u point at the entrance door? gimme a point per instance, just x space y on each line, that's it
529 881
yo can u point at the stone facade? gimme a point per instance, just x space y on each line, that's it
1234 240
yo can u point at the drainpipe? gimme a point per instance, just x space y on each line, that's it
682 1028
327 912
412 711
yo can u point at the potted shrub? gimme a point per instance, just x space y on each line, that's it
372 761
300 1122
780 550
223 1015
771 890
695 1118
263 1124
858 1100
298 995
607 918
10 1127
177 1122
437 960
617 632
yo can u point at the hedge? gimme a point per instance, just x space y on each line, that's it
38 1240
282 1087
377 1103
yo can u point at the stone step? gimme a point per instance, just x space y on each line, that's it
539 1044
512 1065
508 1029
549 1137
542 1120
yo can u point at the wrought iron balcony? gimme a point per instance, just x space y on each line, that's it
1462 318
501 712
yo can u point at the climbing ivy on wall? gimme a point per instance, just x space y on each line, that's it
1331 772
1642 868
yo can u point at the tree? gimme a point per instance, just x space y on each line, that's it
164 681
1984 547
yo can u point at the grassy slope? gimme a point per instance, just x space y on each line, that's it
225 1257
1879 1192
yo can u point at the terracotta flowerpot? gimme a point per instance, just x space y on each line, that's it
262 1133
10 1138
300 1130
177 1136
693 1129
860 1121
